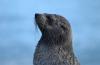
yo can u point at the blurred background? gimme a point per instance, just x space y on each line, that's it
19 34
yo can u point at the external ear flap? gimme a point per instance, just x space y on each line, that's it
62 26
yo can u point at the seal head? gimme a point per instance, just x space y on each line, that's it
54 27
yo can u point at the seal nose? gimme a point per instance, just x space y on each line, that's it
37 14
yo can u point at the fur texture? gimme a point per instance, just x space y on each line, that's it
55 45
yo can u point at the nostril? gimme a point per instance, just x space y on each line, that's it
37 14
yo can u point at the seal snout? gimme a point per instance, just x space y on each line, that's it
36 15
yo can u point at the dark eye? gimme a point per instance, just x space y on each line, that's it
49 21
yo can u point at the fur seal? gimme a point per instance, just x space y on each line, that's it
55 45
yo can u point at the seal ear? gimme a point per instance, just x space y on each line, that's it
63 27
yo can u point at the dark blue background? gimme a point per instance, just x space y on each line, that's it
19 34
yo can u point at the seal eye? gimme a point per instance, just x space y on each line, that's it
49 21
